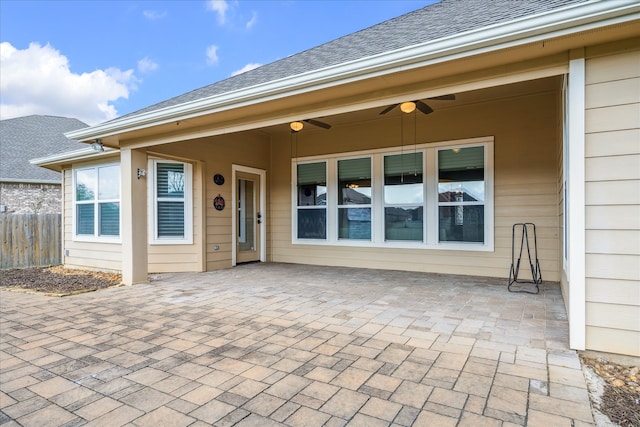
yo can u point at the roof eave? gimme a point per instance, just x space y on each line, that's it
572 19
54 162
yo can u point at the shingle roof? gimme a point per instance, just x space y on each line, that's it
31 137
449 17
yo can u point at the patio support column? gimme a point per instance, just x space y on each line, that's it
133 211
576 205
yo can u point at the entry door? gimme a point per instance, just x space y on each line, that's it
248 217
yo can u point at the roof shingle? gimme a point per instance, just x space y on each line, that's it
26 138
447 18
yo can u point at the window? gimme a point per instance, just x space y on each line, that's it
354 189
97 201
438 196
461 195
403 197
171 207
312 200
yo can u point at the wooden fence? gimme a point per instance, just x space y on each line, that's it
30 240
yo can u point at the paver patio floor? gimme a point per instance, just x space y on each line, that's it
279 344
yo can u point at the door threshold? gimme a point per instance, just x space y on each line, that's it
248 262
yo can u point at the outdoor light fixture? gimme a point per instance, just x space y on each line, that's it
97 146
296 126
141 173
408 107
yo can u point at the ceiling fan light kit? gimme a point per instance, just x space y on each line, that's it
296 126
410 106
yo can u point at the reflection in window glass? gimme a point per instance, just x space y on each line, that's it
109 182
312 224
403 197
98 216
312 200
354 188
86 184
461 194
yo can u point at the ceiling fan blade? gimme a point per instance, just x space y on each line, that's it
318 123
389 108
449 97
424 108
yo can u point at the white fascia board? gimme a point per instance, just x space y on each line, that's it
71 156
572 19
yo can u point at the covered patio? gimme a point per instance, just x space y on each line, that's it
285 344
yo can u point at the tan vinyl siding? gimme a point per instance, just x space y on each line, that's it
184 257
216 156
526 142
612 168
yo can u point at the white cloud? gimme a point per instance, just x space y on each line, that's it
154 15
252 21
146 65
220 7
38 80
246 68
212 55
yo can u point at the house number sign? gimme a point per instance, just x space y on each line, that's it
218 202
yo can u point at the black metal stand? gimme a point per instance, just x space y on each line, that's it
536 274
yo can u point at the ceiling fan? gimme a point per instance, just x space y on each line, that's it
409 106
298 125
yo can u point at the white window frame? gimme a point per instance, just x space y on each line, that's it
430 183
329 218
96 237
153 203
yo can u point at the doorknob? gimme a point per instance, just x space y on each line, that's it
259 215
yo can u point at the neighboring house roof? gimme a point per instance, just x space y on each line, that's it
432 22
26 138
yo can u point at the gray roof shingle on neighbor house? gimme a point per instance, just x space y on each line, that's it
30 137
446 18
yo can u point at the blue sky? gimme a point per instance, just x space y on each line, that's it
96 60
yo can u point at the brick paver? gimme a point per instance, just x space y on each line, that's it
278 344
